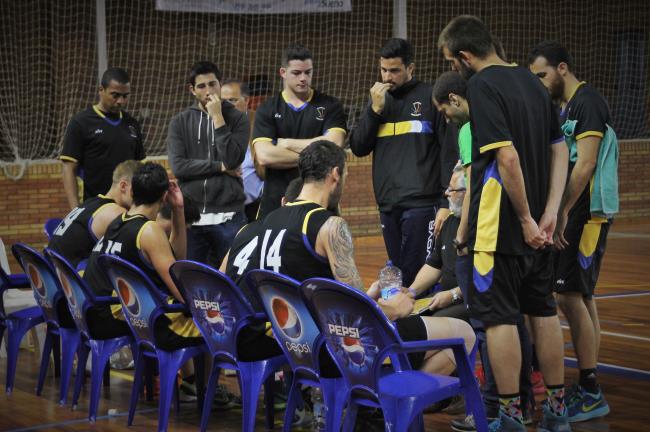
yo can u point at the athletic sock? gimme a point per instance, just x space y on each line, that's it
589 380
555 398
510 405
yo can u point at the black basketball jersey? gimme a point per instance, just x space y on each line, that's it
73 238
122 238
287 241
243 256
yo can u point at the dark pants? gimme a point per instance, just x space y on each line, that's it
209 244
489 390
250 210
409 239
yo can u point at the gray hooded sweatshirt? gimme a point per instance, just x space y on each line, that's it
196 150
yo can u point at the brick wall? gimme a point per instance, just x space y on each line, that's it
38 195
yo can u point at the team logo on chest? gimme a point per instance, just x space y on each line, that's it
133 132
417 109
320 113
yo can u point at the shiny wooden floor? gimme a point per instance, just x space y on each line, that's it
624 302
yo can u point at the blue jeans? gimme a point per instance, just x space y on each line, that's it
209 244
409 239
489 390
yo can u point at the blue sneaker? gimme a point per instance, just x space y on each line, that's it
505 424
586 406
553 423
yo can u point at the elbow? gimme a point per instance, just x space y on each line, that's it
262 157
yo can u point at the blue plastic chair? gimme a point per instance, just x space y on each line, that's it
48 294
50 225
360 337
17 323
143 303
81 298
300 339
221 311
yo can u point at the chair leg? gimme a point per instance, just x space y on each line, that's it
269 397
250 381
292 400
70 340
209 395
334 398
140 358
350 417
48 346
82 358
168 365
15 334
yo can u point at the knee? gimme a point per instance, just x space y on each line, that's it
569 302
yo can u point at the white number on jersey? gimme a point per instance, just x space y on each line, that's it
243 257
67 221
273 259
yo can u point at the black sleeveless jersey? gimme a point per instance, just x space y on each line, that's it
243 256
73 238
287 241
122 238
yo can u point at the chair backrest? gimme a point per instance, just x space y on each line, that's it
293 325
358 334
50 225
142 302
218 307
74 288
45 284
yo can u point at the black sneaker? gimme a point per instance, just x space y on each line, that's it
224 400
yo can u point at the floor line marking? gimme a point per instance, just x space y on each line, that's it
81 420
613 369
622 335
622 295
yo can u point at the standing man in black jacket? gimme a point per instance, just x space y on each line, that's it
411 166
206 144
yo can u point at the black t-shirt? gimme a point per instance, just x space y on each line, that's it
591 113
287 241
275 119
99 142
443 256
73 238
508 106
243 256
121 239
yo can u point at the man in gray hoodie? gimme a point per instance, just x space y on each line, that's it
206 144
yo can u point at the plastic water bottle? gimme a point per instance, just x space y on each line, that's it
319 410
390 280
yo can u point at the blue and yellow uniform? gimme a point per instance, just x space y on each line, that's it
509 107
577 266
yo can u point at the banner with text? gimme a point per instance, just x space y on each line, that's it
255 6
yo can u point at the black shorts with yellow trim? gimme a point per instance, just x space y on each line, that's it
253 344
578 265
176 330
502 287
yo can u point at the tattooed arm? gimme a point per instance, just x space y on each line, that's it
335 241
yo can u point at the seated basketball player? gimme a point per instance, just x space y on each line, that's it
306 240
144 243
79 231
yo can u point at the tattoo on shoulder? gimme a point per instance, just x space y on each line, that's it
342 248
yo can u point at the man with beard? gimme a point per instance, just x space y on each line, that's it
519 166
289 122
410 169
303 239
582 229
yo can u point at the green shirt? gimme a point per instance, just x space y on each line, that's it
465 144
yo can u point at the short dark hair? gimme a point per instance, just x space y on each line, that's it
449 82
114 74
553 52
149 183
295 51
203 68
293 190
190 209
396 47
243 86
318 159
467 33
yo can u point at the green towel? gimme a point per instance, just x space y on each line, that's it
604 201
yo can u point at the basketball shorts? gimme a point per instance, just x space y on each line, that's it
578 265
412 328
502 287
